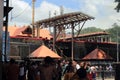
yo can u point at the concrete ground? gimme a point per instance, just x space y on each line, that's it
106 79
102 79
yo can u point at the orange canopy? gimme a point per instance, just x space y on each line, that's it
97 54
42 52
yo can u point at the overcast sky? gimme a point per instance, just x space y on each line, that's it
102 10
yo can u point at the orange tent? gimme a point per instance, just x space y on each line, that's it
97 54
42 52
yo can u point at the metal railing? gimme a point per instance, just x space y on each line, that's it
104 74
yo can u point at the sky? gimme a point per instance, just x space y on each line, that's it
102 10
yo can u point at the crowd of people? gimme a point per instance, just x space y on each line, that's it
48 69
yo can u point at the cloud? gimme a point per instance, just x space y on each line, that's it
89 7
21 13
102 10
42 11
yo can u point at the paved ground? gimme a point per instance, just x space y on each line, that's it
105 79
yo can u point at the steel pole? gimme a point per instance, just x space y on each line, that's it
6 30
54 38
1 27
72 42
117 48
33 13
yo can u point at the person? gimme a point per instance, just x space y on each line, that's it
37 71
89 72
81 73
69 71
12 70
48 69
59 70
93 69
4 70
32 71
76 65
22 71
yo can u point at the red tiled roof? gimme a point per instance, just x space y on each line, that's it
44 33
87 34
19 31
11 30
93 34
16 31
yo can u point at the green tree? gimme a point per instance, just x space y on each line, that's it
114 32
118 5
90 30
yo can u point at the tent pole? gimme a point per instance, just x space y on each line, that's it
72 43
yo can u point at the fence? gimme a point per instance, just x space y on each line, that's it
104 74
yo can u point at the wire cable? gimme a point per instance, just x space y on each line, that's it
21 12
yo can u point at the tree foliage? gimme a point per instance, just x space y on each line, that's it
112 31
90 29
118 5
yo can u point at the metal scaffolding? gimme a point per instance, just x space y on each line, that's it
64 21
